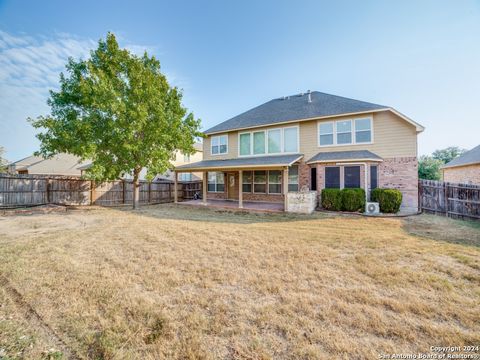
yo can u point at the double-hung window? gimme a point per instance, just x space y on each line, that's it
245 144
259 143
344 132
274 141
260 181
332 177
363 130
274 182
293 178
326 133
219 145
290 139
351 176
247 181
216 182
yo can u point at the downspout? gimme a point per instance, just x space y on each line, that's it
365 175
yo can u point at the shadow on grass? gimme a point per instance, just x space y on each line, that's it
434 227
206 214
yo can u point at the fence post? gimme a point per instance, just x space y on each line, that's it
420 195
149 192
445 194
169 192
48 191
123 191
92 191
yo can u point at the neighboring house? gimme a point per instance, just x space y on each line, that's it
60 164
180 159
310 141
463 169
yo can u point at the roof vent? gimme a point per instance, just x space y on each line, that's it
309 96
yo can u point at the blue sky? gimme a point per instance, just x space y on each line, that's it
421 57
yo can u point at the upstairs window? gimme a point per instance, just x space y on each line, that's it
344 132
290 139
259 143
326 134
219 144
186 158
363 130
245 144
274 141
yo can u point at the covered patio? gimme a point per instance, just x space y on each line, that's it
254 183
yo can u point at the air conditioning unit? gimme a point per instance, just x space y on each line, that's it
372 208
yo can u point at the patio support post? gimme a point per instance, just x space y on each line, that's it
204 187
285 188
240 189
175 188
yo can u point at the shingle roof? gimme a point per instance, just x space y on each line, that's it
344 155
295 107
257 161
470 157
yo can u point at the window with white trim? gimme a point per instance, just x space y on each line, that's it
219 144
247 181
216 182
260 182
274 182
344 132
186 158
363 130
274 141
290 139
245 144
293 178
326 133
185 176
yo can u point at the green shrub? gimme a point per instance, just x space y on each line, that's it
353 199
388 199
332 199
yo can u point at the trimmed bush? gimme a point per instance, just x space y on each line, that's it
332 199
388 199
353 199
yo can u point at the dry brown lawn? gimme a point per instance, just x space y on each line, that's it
189 283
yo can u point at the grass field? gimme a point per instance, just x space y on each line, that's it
189 283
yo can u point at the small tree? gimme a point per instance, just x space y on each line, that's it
118 110
448 154
429 168
3 161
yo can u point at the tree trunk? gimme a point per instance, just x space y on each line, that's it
136 189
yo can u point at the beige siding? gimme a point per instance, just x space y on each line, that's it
392 137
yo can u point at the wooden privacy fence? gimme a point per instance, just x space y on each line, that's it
30 190
450 199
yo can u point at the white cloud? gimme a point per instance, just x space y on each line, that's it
29 68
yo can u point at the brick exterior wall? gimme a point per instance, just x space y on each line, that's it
469 174
262 197
401 173
396 173
303 175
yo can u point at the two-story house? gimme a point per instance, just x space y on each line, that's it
309 141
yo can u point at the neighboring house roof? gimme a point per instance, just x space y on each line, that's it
59 164
469 158
257 161
356 155
297 107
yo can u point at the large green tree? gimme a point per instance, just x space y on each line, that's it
3 161
118 110
448 154
429 168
